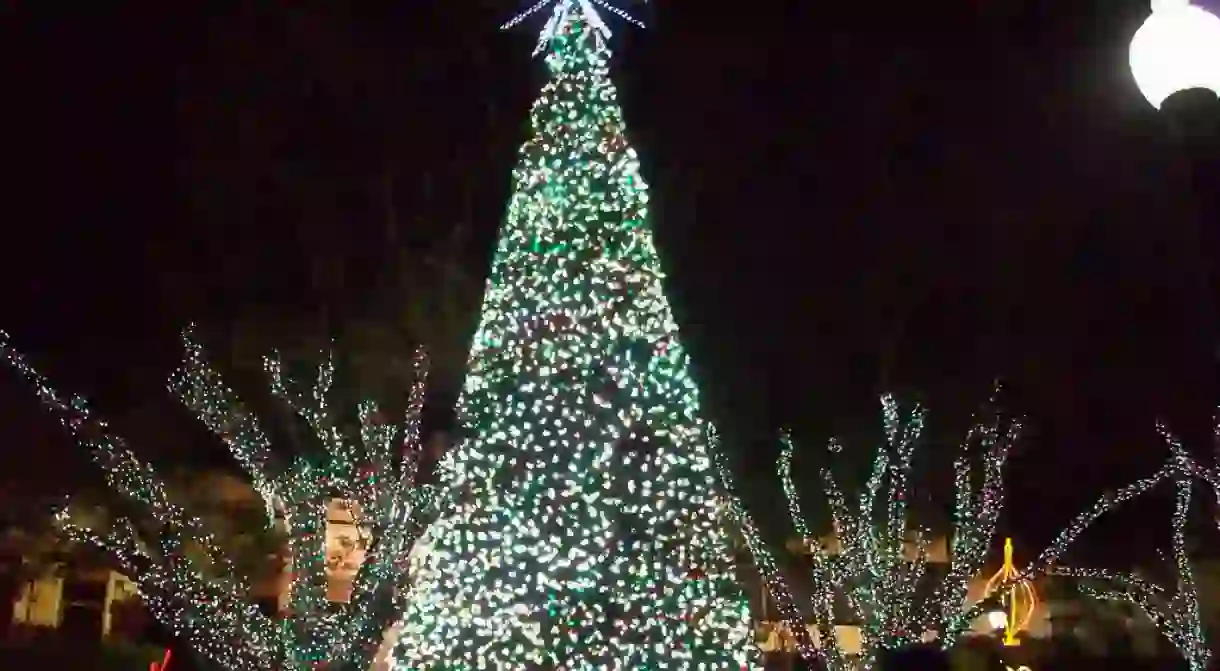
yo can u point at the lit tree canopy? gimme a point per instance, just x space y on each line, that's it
188 582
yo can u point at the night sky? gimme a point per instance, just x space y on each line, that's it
849 197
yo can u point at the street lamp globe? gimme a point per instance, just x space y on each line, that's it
1177 48
997 619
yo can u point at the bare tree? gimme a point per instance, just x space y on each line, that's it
185 578
875 562
1174 611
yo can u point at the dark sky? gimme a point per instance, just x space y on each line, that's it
849 197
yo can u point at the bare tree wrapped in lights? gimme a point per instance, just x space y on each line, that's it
876 563
182 573
1175 613
1209 475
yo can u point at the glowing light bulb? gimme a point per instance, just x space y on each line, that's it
1177 48
998 619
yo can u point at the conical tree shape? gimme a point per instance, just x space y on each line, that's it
584 530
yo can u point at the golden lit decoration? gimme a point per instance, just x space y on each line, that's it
1021 600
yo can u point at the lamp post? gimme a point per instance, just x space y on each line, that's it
1175 61
1177 51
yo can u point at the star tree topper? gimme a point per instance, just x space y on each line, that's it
560 12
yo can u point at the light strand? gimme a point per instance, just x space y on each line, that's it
875 561
181 572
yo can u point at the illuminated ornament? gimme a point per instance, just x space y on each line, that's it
1177 48
163 665
1020 601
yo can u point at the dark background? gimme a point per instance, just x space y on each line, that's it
849 198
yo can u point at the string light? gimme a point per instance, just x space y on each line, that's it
765 562
1209 475
585 530
561 9
1046 561
1175 614
875 563
182 573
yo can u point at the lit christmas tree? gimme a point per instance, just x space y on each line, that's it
182 573
875 563
584 527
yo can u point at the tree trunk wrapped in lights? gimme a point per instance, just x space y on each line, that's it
182 572
876 562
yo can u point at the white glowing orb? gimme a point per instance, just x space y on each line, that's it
1177 48
998 619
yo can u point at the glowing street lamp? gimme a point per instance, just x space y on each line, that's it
998 619
1177 49
1175 61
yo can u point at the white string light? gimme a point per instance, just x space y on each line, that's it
184 576
872 565
560 15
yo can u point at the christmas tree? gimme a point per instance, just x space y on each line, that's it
584 527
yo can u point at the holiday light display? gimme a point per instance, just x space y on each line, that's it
1020 600
584 532
765 562
561 9
876 563
1175 614
183 575
1209 475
